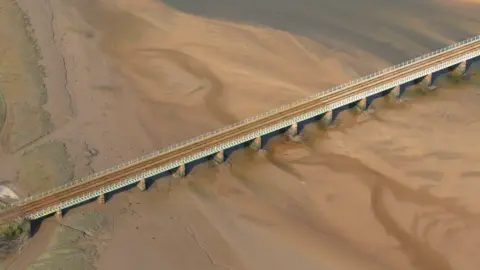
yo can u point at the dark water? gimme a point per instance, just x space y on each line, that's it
353 22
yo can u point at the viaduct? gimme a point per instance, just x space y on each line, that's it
179 159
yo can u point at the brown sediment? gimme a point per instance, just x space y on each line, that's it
367 194
421 254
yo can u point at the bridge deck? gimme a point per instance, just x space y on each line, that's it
199 147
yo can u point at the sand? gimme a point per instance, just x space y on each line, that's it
390 189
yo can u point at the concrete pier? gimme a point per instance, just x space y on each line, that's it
141 185
101 199
361 105
219 157
459 70
427 82
394 94
292 130
256 144
326 119
180 172
59 214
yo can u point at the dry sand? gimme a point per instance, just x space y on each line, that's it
393 189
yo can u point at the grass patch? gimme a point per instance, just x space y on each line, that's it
11 231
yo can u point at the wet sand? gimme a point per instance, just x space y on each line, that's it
392 30
380 191
390 189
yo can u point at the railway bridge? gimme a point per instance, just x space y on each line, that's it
217 145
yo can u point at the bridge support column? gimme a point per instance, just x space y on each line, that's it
460 70
219 157
180 172
361 105
101 199
142 185
256 144
326 119
292 130
58 214
428 82
394 94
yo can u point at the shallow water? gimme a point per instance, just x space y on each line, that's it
393 30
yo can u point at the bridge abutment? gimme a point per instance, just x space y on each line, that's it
180 172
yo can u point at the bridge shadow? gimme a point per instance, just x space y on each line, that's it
35 226
149 181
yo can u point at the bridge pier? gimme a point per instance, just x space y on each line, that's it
142 185
326 119
256 144
361 105
219 157
292 130
467 72
180 172
58 214
101 199
459 70
427 82
395 94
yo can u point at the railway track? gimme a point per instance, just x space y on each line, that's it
77 190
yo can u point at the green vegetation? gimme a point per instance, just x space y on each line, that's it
12 237
13 230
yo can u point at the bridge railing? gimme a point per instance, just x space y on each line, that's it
251 119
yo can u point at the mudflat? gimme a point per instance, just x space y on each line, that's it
88 84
